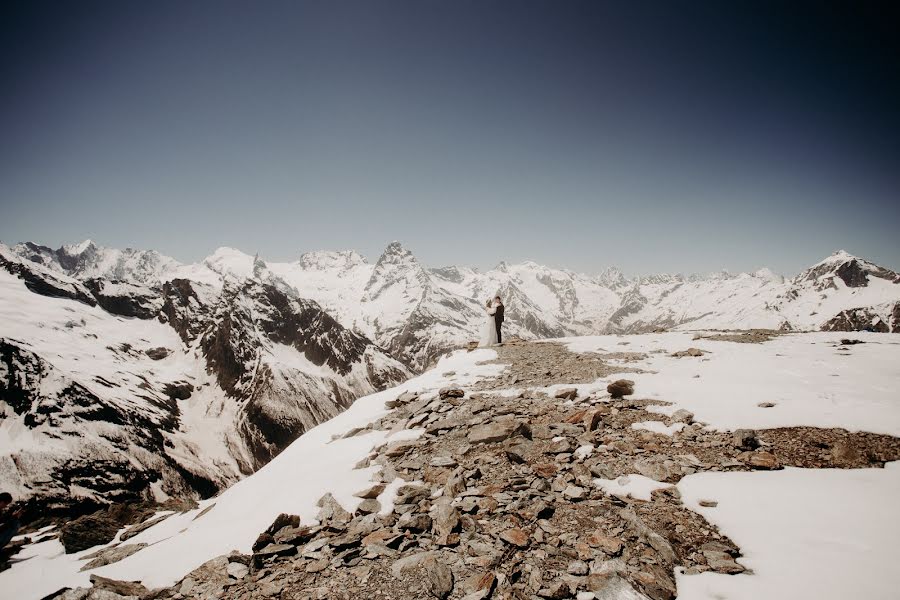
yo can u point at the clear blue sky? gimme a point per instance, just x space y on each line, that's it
685 136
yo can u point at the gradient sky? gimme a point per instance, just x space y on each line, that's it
669 136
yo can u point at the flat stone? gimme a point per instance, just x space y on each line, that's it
237 570
277 550
516 537
610 545
764 460
566 394
438 576
574 492
495 432
371 492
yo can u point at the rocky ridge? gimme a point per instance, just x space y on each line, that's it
503 497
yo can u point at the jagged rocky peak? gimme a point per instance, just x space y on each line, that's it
396 264
88 260
852 270
325 260
453 273
612 278
396 253
661 278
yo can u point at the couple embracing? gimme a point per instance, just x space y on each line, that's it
490 330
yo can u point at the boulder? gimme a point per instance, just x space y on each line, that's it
620 388
745 439
566 394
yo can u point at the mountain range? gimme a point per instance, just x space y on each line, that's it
125 373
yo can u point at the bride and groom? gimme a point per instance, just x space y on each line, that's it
490 330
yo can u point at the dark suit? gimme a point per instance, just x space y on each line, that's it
498 322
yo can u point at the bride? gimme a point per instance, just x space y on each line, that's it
488 328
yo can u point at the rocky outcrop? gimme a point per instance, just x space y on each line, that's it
125 299
858 319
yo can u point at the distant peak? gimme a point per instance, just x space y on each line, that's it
395 247
396 253
326 259
74 249
838 256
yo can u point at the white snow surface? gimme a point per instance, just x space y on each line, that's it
809 378
291 483
633 486
828 534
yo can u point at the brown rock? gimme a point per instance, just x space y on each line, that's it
764 460
566 394
845 453
516 537
438 577
620 388
610 545
372 492
123 588
496 431
545 470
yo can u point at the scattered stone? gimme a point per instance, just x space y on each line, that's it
515 537
844 453
682 416
438 576
620 388
567 394
766 404
158 353
372 492
123 588
107 556
497 431
451 392
689 352
745 439
277 550
764 460
237 570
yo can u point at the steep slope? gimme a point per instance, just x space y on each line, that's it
118 391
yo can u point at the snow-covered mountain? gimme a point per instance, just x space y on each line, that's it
418 313
152 387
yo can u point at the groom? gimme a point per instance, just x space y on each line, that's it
498 317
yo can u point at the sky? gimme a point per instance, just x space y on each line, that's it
655 136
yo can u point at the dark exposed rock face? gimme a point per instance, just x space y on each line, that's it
125 299
183 309
46 283
857 319
98 528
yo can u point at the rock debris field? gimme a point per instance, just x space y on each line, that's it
554 479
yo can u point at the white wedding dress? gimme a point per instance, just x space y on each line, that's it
488 328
